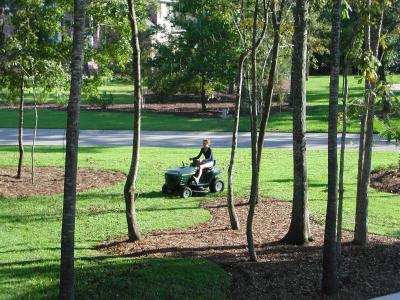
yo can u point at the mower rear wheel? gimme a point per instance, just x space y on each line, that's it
186 192
217 186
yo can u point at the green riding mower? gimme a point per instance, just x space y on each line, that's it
180 181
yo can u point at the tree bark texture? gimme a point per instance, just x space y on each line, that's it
329 261
130 184
299 230
361 227
342 152
71 155
21 129
235 225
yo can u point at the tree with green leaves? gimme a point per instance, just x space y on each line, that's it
202 56
31 57
372 33
71 155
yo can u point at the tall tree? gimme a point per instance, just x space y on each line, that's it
29 57
202 57
130 184
329 263
230 199
372 38
266 104
347 63
299 230
71 157
253 118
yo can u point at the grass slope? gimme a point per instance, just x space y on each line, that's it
317 113
30 227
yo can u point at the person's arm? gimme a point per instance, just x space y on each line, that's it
198 156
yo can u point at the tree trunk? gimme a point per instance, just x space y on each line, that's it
347 65
71 158
361 228
299 230
367 45
34 136
130 184
254 178
329 261
21 129
253 120
235 225
342 152
276 19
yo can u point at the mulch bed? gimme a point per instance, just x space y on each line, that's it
190 109
282 271
50 181
386 181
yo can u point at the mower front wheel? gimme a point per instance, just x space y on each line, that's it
186 192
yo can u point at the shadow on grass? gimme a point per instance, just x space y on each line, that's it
122 278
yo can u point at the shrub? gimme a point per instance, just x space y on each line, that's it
103 101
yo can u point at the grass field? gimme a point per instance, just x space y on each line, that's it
317 113
30 227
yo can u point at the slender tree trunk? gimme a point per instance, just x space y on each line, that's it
130 184
235 225
329 262
299 230
367 45
203 93
347 65
254 178
361 228
342 152
21 129
34 136
276 19
71 158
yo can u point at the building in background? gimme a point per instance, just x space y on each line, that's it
160 17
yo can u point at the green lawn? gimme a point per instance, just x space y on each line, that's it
30 227
317 113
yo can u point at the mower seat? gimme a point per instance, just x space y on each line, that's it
207 170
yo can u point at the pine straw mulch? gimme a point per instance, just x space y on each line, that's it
50 181
282 271
386 181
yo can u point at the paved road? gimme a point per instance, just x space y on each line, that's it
178 139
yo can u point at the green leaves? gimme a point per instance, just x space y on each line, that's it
205 49
368 66
346 9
